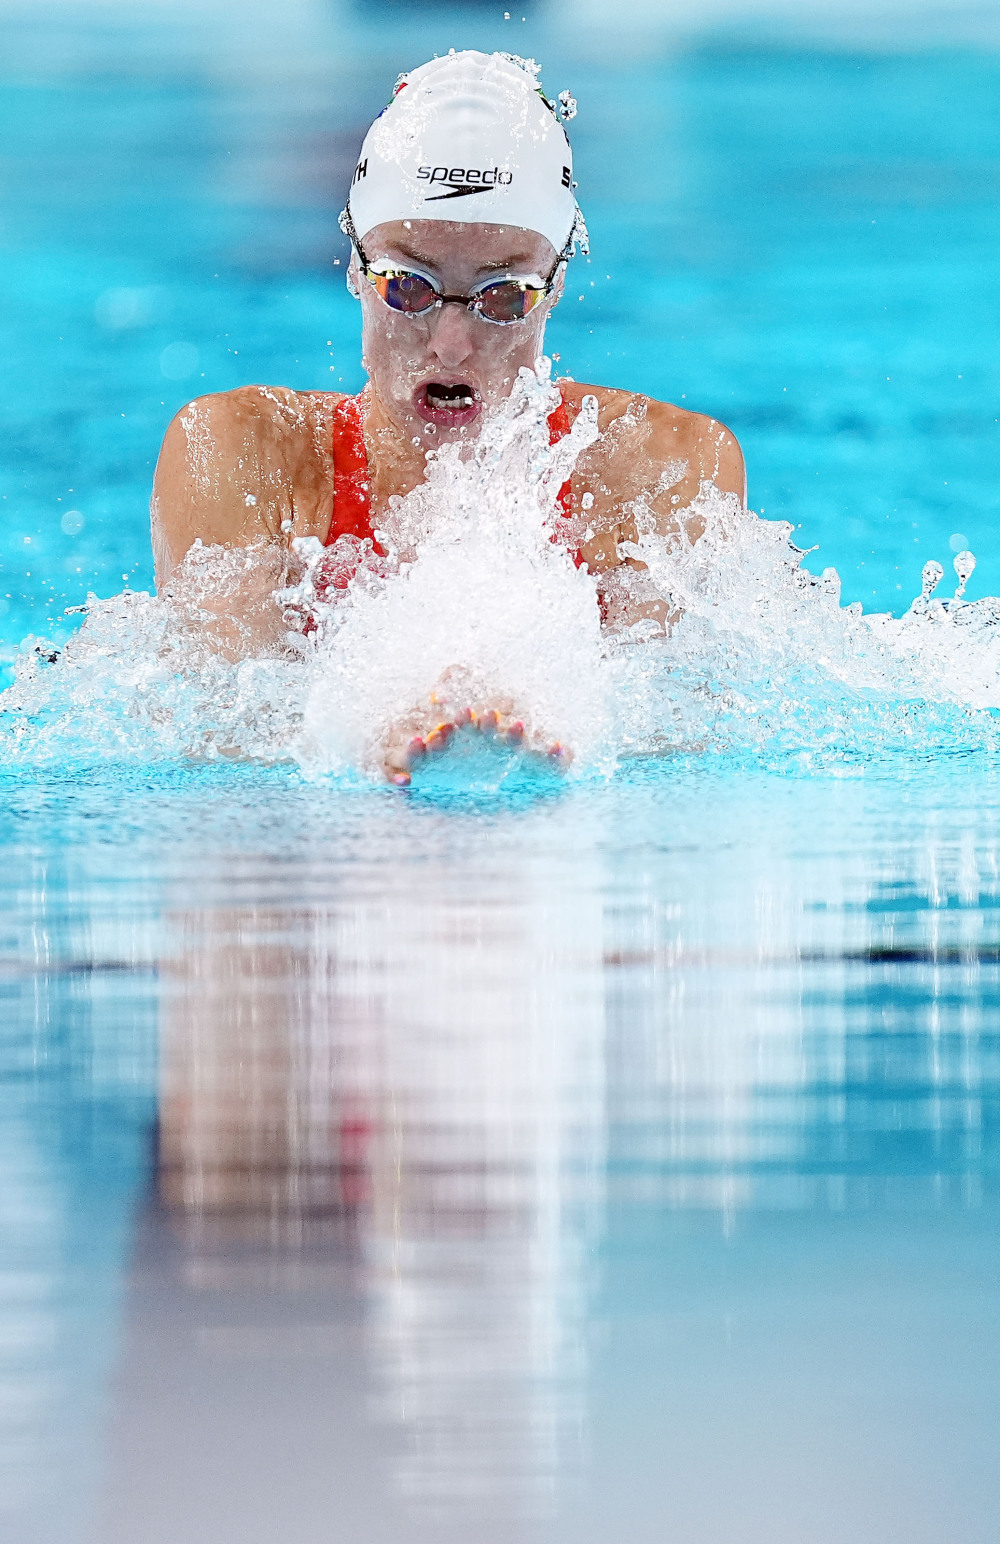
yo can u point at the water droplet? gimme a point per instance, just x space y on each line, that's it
965 564
930 578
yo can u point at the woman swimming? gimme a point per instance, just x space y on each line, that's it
462 219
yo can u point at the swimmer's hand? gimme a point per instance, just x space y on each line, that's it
428 734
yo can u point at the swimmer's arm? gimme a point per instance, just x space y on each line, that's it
238 468
702 451
686 451
241 469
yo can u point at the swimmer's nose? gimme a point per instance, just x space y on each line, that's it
452 335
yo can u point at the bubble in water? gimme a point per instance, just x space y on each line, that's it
178 361
121 309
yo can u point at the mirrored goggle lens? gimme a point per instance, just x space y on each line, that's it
509 301
404 291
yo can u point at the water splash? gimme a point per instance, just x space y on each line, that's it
153 679
765 661
476 599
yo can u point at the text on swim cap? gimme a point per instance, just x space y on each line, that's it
467 179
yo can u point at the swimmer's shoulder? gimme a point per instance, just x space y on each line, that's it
258 415
645 430
246 465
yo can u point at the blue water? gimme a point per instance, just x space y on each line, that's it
559 1164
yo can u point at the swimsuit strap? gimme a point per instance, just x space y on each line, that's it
352 505
559 427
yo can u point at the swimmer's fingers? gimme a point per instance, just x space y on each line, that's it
396 763
510 730
411 743
438 737
554 752
403 750
503 726
500 724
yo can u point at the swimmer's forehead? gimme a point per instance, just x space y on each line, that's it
486 248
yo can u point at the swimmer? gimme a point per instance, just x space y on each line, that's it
462 220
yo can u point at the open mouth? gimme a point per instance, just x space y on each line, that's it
447 403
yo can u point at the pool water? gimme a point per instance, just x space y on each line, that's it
526 1161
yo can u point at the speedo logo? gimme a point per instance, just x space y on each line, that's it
462 181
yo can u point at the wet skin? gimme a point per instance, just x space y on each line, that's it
255 465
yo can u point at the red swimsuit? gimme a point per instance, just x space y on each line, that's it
352 509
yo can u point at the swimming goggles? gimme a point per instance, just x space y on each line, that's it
500 301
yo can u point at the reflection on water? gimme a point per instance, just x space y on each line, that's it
403 1088
520 1174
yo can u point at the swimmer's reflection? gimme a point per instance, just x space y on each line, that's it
378 1129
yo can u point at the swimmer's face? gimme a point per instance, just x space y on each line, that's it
435 375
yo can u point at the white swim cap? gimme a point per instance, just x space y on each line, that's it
469 137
